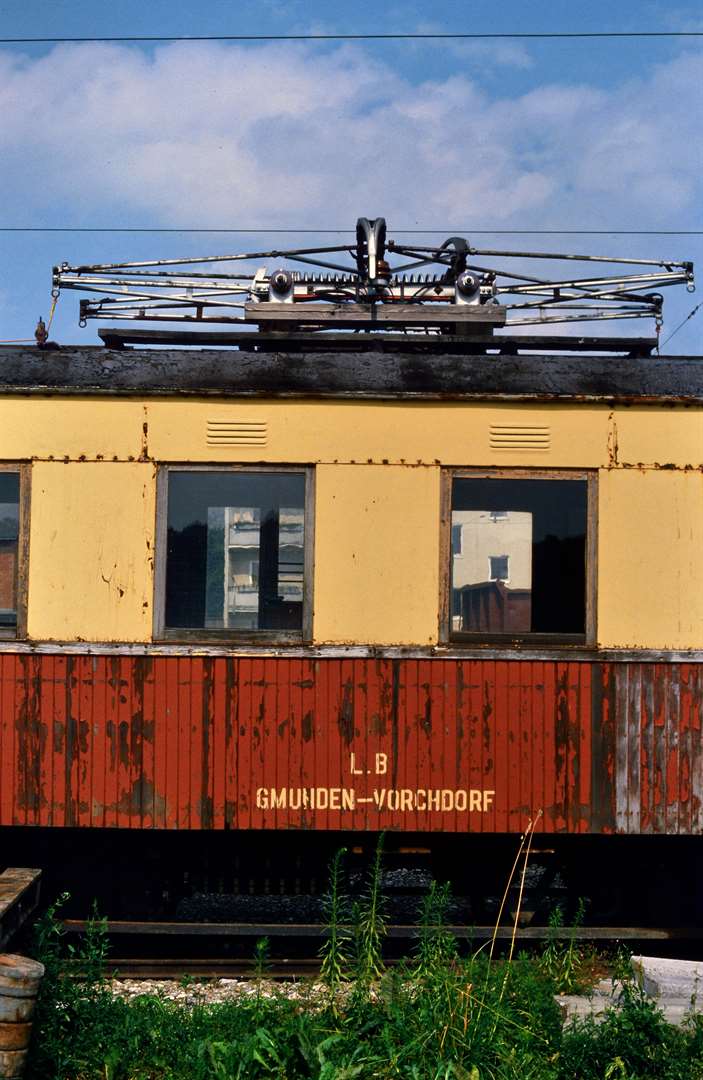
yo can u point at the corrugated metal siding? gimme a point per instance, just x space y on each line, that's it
186 743
659 761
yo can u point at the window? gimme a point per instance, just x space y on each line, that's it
519 554
498 567
12 552
236 551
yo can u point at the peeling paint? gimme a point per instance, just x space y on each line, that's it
144 455
612 448
179 742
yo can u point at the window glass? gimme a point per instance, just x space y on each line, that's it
518 556
9 546
235 550
499 567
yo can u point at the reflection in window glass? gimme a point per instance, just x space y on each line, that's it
518 556
9 546
235 550
499 567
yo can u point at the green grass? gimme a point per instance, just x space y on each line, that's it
460 1021
399 1027
438 1016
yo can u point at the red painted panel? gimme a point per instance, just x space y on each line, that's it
414 744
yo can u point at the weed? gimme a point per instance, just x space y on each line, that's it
561 960
92 952
334 952
622 966
47 938
632 1042
370 924
262 958
419 1030
73 975
437 947
479 1018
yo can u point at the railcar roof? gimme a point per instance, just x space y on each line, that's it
92 370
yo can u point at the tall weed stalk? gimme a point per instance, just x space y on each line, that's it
370 924
523 848
334 953
529 835
561 960
437 947
74 975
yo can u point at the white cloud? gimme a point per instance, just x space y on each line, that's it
481 57
284 134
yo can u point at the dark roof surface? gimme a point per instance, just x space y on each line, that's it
230 373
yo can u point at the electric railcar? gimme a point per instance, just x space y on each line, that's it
268 599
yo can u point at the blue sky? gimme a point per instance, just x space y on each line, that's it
599 134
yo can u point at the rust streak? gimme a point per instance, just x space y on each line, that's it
208 721
345 716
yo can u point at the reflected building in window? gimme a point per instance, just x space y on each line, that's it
9 547
518 555
235 550
491 571
242 580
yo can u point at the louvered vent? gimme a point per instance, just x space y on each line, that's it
236 433
520 437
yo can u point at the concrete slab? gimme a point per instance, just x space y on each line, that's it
676 1008
578 1006
662 978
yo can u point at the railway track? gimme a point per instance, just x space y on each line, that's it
305 938
280 970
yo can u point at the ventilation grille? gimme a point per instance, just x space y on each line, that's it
520 437
236 433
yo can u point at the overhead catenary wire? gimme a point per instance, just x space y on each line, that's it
682 323
517 35
476 230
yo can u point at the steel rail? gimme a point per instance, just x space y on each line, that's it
586 283
194 259
190 300
240 284
328 265
136 310
155 928
124 316
622 285
96 313
418 249
600 317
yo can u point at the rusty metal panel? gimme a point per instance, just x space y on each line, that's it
418 744
603 750
658 760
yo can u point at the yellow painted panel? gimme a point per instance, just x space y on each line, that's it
650 559
91 551
77 428
449 433
658 436
376 554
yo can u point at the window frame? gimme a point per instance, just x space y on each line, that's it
447 636
23 470
228 634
